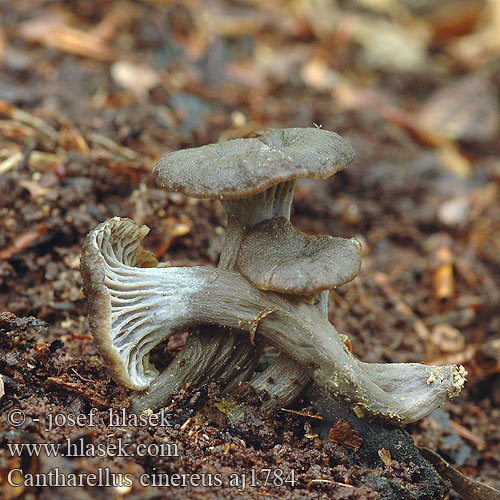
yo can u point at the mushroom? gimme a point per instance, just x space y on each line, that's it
255 180
132 309
253 177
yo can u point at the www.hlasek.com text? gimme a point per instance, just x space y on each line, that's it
82 448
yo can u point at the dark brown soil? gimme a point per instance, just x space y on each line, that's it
79 134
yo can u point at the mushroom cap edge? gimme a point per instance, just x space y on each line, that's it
99 302
252 165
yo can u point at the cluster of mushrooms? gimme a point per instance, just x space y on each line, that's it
270 287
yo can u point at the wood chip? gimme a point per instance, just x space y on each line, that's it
43 161
21 243
139 78
185 425
344 434
385 456
34 188
448 339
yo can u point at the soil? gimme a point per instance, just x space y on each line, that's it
93 93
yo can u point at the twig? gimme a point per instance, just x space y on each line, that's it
463 485
303 414
479 443
33 121
82 390
331 481
14 126
255 322
113 146
11 162
82 378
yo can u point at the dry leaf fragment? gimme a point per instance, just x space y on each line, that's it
137 77
466 109
448 23
22 242
388 46
483 46
52 30
173 228
317 75
447 338
72 139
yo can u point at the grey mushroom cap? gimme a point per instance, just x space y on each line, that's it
243 167
277 257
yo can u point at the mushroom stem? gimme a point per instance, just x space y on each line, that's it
321 302
204 357
243 215
283 380
147 305
238 363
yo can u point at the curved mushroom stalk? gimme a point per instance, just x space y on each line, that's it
284 381
244 214
408 381
133 309
208 356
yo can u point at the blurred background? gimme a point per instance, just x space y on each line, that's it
93 93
